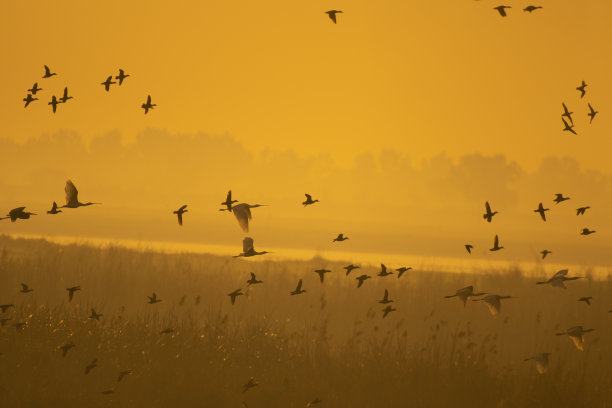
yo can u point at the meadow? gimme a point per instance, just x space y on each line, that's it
330 343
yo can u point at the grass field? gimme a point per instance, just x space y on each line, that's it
329 343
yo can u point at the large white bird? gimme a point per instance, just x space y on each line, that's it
576 334
541 361
493 302
248 250
72 196
558 279
242 212
465 294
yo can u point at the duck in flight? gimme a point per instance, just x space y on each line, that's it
385 298
568 128
34 89
248 250
298 290
496 246
19 214
489 214
586 231
65 96
545 253
29 99
559 198
322 273
592 113
228 202
25 288
493 302
567 113
388 310
72 196
71 291
402 270
233 295
502 10
361 279
153 299
581 210
531 8
91 366
48 73
383 271
350 268
123 374
558 279
95 315
332 14
309 200
148 105
465 294
582 89
122 75
340 238
253 280
242 212
542 211
468 247
179 213
586 299
576 334
541 361
109 81
54 209
66 347
252 383
54 102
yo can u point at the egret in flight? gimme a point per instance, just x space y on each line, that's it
248 250
72 197
493 302
541 361
576 334
19 214
558 279
242 212
465 294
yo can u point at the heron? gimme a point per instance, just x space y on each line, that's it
385 298
592 113
309 200
28 99
332 14
25 288
496 246
122 75
19 214
576 334
54 209
95 315
109 81
489 214
228 202
91 366
242 212
383 271
559 198
502 10
248 250
322 273
582 89
541 361
72 197
542 211
148 105
465 294
71 291
48 73
350 268
153 299
298 290
340 238
493 302
179 213
253 280
558 279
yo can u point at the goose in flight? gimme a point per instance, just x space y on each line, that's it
385 298
489 214
54 102
64 98
350 268
179 213
558 279
29 99
123 374
298 290
242 212
361 279
72 197
252 383
586 299
109 81
581 210
322 273
153 299
66 347
576 334
502 10
493 302
567 113
542 211
541 361
253 280
48 73
25 288
54 209
465 294
95 315
340 238
122 75
332 14
91 366
545 253
592 113
496 246
309 200
233 295
531 8
582 89
19 214
388 310
383 271
402 270
148 105
468 247
568 128
167 330
559 198
248 250
228 202
71 291
34 88
586 231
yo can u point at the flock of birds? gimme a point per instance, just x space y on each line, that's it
569 127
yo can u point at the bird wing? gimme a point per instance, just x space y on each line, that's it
578 341
332 15
493 304
247 245
496 242
229 196
24 286
308 197
488 207
252 276
182 207
562 272
149 100
47 70
243 215
557 283
72 194
386 294
180 217
299 286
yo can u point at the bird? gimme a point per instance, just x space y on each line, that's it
54 102
385 298
402 270
64 98
388 310
559 198
153 299
567 113
496 246
332 14
586 231
228 202
545 252
148 105
95 315
581 88
581 210
248 250
72 197
558 279
122 75
586 299
123 374
488 215
576 334
493 302
29 99
48 73
322 273
361 279
252 383
531 8
234 294
4 308
349 268
25 288
313 402
54 209
108 83
340 238
465 294
91 366
309 200
592 113
383 271
179 213
502 10
34 88
242 212
71 291
298 289
19 214
253 280
468 247
66 347
542 211
541 361
568 127
167 331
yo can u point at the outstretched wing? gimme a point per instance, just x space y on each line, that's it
243 215
299 286
247 245
496 242
72 194
493 304
149 100
308 197
488 207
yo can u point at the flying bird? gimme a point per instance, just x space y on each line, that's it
496 246
340 238
71 291
123 374
91 366
581 210
332 14
545 253
581 88
322 273
531 8
54 209
541 361
468 247
309 200
385 298
313 402
493 302
35 88
29 99
559 198
252 383
108 83
465 294
234 294
402 270
48 73
95 315
383 271
586 231
502 10
64 98
168 330
350 268
66 347
568 128
179 213
148 105
586 299
253 280
558 279
242 212
592 113
567 113
542 211
361 279
576 334
122 75
19 214
298 290
25 288
228 202
54 102
248 250
388 310
72 197
153 299
489 214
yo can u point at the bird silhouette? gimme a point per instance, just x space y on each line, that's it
252 383
71 291
493 302
558 279
54 102
465 294
72 197
541 361
468 247
48 73
298 289
545 253
95 315
581 210
489 214
309 200
582 89
228 202
388 310
34 89
576 334
340 238
29 99
542 211
586 299
4 308
361 279
385 298
123 374
402 270
64 98
179 213
153 299
148 105
586 231
496 246
559 198
350 268
568 128
502 10
109 81
332 14
248 250
531 8
253 280
25 288
19 214
314 402
54 209
91 366
66 347
592 113
383 271
567 113
322 273
122 75
233 295
169 330
242 212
